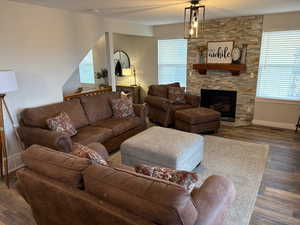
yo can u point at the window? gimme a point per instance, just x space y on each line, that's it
172 60
86 69
279 69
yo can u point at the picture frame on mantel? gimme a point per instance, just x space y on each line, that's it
219 52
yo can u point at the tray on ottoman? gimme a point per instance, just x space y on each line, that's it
164 147
197 120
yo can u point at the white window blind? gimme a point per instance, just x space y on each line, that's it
86 69
172 60
279 69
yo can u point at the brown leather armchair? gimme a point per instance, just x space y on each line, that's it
160 110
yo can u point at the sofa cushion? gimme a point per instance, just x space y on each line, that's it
89 134
100 149
180 107
176 95
159 201
57 165
83 151
36 117
122 108
62 123
186 179
161 90
98 107
119 125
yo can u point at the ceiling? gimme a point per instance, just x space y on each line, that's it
154 12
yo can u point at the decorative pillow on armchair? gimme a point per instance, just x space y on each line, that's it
62 123
122 108
176 95
85 152
186 179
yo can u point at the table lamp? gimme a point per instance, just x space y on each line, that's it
8 83
130 72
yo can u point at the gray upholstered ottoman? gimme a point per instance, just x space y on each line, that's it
164 147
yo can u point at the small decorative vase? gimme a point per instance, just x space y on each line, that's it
244 54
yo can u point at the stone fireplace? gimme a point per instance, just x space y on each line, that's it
221 101
242 30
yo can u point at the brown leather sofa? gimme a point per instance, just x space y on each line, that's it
160 110
91 115
63 189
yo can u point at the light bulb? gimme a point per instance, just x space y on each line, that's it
195 24
191 31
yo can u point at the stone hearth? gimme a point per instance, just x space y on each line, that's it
221 101
242 30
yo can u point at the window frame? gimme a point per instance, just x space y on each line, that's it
157 57
94 79
275 100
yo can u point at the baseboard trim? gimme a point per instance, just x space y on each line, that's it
274 124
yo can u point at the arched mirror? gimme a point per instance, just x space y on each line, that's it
121 61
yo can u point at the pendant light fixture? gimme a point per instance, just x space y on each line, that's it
194 18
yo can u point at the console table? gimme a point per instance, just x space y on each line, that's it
133 91
297 125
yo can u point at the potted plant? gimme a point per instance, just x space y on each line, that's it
103 74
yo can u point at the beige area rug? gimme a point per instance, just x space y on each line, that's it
243 163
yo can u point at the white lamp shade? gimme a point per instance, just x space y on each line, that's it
8 81
126 72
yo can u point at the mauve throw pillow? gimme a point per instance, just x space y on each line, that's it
62 123
176 95
186 179
85 152
122 108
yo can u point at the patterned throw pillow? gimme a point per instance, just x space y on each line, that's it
62 123
176 95
186 179
122 108
85 152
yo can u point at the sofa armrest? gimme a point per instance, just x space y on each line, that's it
213 199
193 100
20 188
158 102
47 138
140 110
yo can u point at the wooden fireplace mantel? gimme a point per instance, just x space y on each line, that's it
235 69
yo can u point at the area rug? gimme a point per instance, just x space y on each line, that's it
242 162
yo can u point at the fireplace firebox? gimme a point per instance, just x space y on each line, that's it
221 101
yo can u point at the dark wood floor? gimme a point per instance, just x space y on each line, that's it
278 202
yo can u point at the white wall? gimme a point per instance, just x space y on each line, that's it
118 26
99 60
99 53
141 51
72 84
276 113
136 47
169 31
44 46
282 21
281 114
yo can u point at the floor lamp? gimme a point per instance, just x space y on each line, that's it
8 83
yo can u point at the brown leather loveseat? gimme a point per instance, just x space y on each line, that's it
63 189
160 108
92 117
